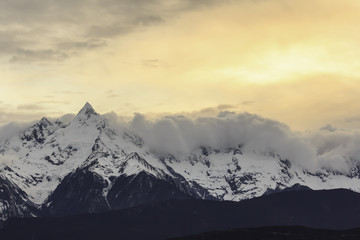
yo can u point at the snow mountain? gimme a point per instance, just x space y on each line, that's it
90 166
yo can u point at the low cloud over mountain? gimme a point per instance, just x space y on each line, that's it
180 135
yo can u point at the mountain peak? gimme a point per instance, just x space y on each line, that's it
44 120
39 131
87 111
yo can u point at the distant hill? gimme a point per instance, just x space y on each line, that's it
326 209
276 233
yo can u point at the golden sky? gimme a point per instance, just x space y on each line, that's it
293 61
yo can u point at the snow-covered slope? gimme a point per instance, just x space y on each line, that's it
96 167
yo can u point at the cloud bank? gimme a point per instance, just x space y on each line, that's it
328 147
180 135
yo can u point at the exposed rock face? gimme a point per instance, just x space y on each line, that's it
13 201
78 192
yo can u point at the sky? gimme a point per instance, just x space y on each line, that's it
295 61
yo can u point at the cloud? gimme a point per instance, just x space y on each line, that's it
28 55
15 128
8 116
329 148
12 129
247 102
46 30
212 111
180 135
225 106
65 119
154 63
329 128
29 107
149 20
109 31
54 102
352 119
336 149
70 92
88 44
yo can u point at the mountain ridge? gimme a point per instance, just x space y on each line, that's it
95 154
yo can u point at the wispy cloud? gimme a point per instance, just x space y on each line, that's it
53 102
29 107
28 55
70 92
79 45
150 62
